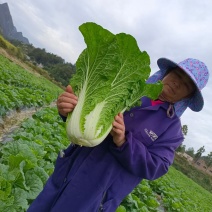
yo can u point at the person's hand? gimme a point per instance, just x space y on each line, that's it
66 102
118 130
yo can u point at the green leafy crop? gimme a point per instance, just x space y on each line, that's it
110 78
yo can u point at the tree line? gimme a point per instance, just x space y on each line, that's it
56 66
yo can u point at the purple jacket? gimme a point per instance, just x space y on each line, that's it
90 179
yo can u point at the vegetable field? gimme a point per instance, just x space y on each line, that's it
27 156
21 89
28 159
172 192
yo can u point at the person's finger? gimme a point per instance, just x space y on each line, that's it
65 108
65 105
118 131
119 118
68 98
69 89
121 115
119 126
69 95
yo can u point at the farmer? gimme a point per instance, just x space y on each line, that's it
140 146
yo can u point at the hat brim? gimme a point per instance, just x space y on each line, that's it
196 101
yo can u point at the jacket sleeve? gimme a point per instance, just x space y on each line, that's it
149 162
63 117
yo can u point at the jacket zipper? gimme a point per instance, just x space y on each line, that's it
102 201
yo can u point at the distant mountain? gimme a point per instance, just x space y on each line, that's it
7 28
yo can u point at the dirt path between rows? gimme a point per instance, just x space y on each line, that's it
13 120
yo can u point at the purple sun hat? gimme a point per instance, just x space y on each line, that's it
196 70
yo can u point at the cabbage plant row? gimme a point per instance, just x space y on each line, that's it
172 192
22 89
28 157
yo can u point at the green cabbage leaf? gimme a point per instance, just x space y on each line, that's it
110 78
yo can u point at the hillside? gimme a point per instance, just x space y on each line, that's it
54 65
198 176
22 89
16 55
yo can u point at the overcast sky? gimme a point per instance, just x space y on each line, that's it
173 29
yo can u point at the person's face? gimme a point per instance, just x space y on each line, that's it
177 85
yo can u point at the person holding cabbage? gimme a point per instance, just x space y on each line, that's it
141 144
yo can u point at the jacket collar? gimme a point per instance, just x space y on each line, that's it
146 105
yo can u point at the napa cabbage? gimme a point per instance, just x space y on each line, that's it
110 78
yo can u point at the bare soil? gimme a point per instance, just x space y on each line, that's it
13 120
